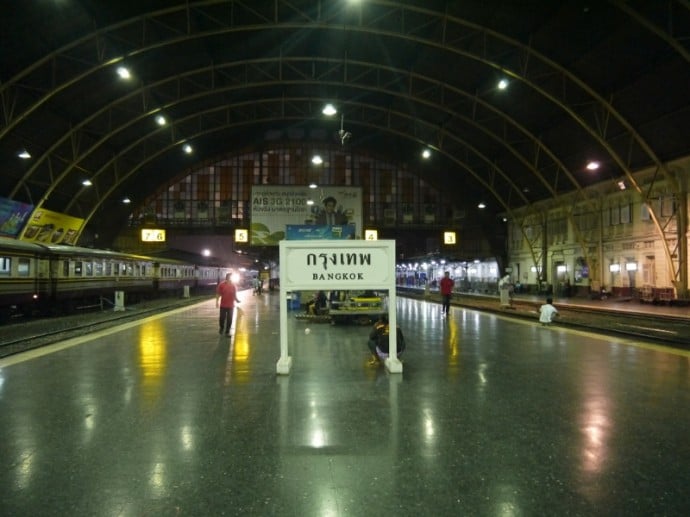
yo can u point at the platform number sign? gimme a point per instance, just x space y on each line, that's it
241 235
152 235
449 238
371 235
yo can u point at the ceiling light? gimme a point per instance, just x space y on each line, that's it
310 201
24 154
317 160
502 84
126 201
481 205
123 72
329 110
426 154
313 185
187 148
621 185
87 183
592 166
160 120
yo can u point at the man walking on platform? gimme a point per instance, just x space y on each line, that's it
227 294
446 285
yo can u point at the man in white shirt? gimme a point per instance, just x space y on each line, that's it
547 312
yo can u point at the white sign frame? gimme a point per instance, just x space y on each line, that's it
332 264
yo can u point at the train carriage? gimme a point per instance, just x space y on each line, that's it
51 278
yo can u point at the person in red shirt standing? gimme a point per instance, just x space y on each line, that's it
226 293
446 285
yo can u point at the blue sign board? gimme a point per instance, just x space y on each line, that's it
303 232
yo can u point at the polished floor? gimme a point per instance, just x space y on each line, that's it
490 417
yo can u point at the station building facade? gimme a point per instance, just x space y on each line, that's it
624 237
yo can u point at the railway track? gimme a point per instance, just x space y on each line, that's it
655 328
640 324
28 335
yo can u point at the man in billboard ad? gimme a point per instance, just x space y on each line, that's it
275 207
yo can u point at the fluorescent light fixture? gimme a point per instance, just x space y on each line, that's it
313 185
502 84
614 268
317 160
533 269
87 183
187 148
310 202
329 110
123 72
24 154
561 268
126 201
160 120
426 154
621 185
631 266
592 166
481 205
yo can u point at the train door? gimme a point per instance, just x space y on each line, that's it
156 274
42 274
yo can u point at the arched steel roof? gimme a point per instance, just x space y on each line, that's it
605 81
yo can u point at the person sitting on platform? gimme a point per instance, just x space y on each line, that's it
378 340
547 312
317 304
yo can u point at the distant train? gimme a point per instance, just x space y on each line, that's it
44 278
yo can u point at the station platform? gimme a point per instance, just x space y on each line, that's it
491 416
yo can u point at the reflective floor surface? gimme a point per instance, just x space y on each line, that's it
489 417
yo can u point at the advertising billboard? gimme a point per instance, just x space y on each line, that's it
274 207
52 228
13 216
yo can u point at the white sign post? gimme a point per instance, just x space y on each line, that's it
332 264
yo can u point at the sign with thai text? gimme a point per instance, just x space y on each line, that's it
338 264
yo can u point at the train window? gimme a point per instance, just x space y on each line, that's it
98 268
23 267
88 267
108 268
130 270
65 268
78 268
5 265
123 270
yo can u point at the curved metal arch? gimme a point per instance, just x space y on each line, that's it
478 177
441 18
656 30
442 108
444 19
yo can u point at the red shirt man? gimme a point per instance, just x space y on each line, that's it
226 293
446 285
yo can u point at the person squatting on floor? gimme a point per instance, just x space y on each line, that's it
226 293
547 312
378 343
